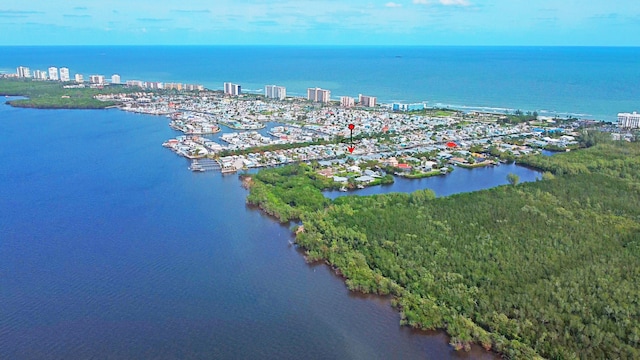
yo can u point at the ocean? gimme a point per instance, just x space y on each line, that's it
586 82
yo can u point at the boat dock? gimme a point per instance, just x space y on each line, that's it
204 165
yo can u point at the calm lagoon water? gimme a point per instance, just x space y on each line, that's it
458 181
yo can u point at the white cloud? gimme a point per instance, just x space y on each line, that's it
455 2
392 5
443 2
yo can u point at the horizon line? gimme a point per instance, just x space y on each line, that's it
324 45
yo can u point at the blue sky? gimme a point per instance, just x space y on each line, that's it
321 22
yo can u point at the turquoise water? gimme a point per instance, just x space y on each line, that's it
583 81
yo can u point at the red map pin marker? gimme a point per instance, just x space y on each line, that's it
351 126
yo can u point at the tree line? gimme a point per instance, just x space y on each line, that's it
542 269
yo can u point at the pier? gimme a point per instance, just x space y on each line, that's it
204 165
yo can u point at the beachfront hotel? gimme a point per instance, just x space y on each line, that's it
629 120
137 83
64 74
23 72
53 73
367 101
275 92
115 79
347 101
155 85
96 79
40 75
79 78
232 89
408 107
318 95
194 87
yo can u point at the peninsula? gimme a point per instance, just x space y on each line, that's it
54 95
543 269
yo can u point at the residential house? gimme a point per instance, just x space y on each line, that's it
365 179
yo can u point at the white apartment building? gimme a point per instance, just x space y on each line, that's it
194 87
135 83
275 92
232 89
174 86
115 79
367 101
96 79
155 85
629 120
53 73
23 72
64 74
79 78
318 95
347 101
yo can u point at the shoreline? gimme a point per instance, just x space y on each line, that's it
345 248
398 306
392 298
493 110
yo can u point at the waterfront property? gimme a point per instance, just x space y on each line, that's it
629 121
275 92
232 89
318 95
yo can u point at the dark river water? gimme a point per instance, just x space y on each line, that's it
111 249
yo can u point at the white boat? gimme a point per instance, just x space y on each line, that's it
195 166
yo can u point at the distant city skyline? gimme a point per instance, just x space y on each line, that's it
322 22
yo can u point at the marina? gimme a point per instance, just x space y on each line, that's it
308 132
201 165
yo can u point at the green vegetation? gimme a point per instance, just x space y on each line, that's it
385 180
475 165
420 175
506 156
435 112
547 268
519 117
289 191
444 113
513 179
286 192
617 159
52 95
589 138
